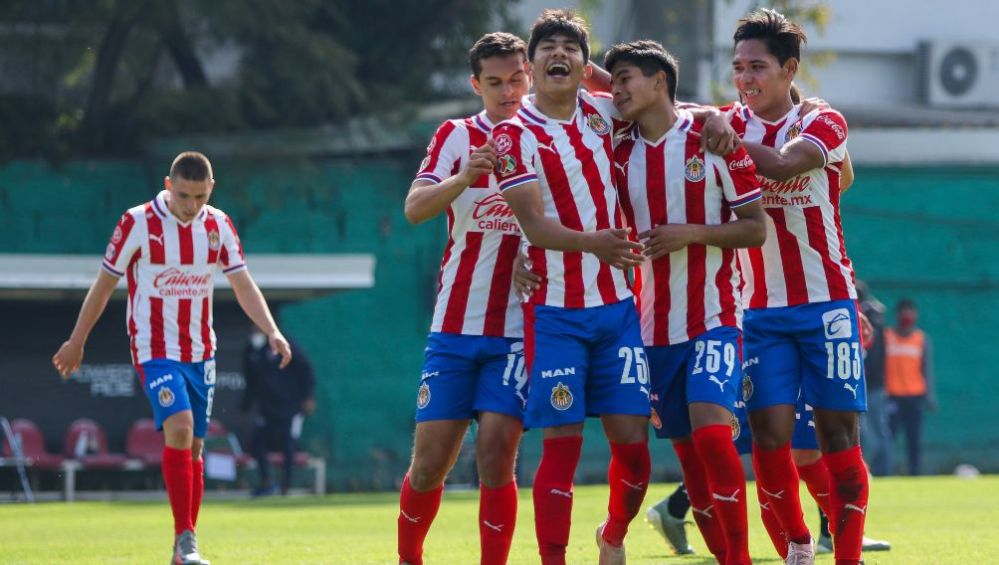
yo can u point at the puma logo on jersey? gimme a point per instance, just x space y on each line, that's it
733 498
156 238
560 493
851 388
548 146
633 486
498 528
623 167
704 512
412 519
779 495
721 384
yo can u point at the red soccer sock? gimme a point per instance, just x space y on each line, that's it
696 480
179 483
628 477
553 496
779 479
417 511
497 518
816 477
198 488
727 481
849 495
771 523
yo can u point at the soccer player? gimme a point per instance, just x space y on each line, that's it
582 338
681 200
801 324
474 366
169 249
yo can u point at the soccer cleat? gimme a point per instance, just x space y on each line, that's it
609 554
674 530
875 544
824 545
185 550
800 553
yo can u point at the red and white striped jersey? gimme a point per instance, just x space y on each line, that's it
671 181
476 294
572 160
170 267
804 258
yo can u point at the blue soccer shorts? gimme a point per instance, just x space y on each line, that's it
804 428
584 362
707 368
812 348
467 374
172 387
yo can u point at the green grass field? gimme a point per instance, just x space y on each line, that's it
929 520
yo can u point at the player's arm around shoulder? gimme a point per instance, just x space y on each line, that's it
434 187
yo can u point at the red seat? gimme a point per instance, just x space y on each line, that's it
217 430
145 443
32 446
86 442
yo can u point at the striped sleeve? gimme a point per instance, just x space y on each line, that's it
231 257
126 241
828 132
515 150
737 173
444 153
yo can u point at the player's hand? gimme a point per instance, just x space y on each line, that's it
524 280
718 136
866 330
308 406
481 161
279 346
809 105
667 238
613 247
67 359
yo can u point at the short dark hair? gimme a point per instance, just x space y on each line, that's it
906 304
782 37
649 56
191 165
561 21
492 45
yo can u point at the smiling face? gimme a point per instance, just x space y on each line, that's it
559 66
763 83
501 83
633 92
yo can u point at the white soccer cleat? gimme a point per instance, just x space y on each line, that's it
185 550
674 530
800 553
609 554
870 544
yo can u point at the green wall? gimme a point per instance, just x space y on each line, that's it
931 234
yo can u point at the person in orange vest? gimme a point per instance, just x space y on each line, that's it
909 379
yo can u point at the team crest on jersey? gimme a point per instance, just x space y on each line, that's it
747 388
433 143
423 396
598 124
117 235
561 397
657 422
214 241
503 144
425 162
507 165
736 428
694 171
792 132
165 397
109 254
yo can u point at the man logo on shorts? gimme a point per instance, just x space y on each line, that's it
836 324
747 388
561 397
423 396
165 397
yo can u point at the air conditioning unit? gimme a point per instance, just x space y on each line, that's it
960 74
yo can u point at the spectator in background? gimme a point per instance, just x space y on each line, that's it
909 379
875 433
283 398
